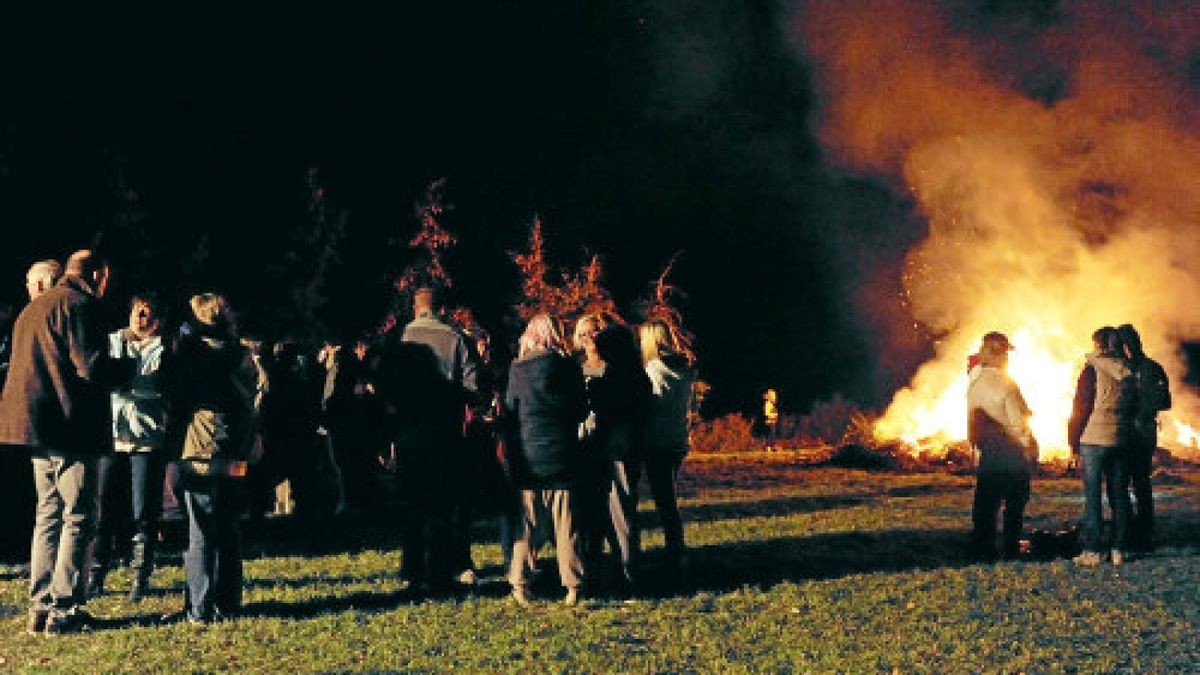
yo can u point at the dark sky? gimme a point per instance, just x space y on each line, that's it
635 129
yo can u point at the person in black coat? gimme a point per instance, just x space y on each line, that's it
545 402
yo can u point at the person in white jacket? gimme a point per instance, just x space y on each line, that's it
998 427
137 466
666 443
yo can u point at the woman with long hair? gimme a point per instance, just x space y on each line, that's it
665 443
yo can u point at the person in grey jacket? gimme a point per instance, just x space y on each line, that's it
1099 431
137 466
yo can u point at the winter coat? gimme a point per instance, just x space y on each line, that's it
998 421
671 382
546 402
1107 418
457 360
56 395
212 385
621 400
138 411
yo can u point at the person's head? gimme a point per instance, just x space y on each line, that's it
1131 342
144 318
584 336
91 268
425 300
657 341
212 316
41 276
1106 341
770 395
617 347
993 352
541 335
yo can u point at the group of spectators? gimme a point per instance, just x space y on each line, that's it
1112 433
552 445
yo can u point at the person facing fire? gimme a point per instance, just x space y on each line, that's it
1098 432
998 427
1153 396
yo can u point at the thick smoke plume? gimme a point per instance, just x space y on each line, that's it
1054 152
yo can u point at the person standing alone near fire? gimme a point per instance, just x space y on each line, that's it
998 426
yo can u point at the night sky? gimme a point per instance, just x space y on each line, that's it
635 129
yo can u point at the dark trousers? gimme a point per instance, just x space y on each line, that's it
1104 470
131 493
1139 461
213 561
662 469
430 547
992 488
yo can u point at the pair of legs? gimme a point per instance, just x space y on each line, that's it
1140 463
994 487
538 506
213 560
137 476
64 516
1104 470
432 545
661 470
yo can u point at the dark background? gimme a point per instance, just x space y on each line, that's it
181 135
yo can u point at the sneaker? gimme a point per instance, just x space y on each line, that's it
74 621
1117 557
36 623
468 577
522 597
572 598
1087 559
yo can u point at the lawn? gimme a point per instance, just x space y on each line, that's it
794 568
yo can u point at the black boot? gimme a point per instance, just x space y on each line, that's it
141 561
96 582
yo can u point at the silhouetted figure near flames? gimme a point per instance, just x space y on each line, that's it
998 426
1099 431
1153 396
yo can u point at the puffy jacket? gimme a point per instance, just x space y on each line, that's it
545 398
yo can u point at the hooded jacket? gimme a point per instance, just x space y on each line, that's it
1107 418
998 420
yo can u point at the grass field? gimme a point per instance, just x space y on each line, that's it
794 568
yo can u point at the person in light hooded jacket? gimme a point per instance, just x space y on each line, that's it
998 427
1099 432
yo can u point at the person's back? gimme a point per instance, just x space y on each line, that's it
545 394
671 380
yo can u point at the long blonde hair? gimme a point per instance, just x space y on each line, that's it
657 340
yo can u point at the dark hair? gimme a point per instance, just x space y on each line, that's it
1130 339
1107 341
617 347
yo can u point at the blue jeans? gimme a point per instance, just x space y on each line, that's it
62 529
213 561
1104 463
142 472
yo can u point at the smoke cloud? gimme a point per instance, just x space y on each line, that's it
1054 152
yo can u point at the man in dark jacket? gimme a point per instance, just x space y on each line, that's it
56 404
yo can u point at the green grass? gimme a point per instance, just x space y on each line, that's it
794 569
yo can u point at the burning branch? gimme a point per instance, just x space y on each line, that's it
431 243
661 307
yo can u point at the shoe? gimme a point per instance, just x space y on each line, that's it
74 621
521 595
1087 559
183 616
36 623
138 591
572 598
95 587
468 577
1117 557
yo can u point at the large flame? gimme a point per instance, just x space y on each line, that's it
1055 161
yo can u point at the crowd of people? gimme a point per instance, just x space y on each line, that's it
1112 433
553 444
